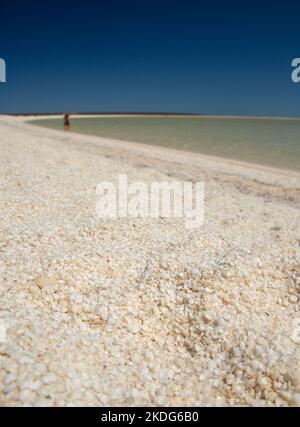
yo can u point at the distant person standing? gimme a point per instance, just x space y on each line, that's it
66 122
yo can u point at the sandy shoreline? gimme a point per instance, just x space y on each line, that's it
199 156
143 311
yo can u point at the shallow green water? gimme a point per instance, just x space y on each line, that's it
273 142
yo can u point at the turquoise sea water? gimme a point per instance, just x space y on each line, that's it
273 142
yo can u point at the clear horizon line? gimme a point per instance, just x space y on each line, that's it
150 113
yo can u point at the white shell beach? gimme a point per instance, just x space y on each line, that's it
142 311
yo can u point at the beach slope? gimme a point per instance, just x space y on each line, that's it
133 311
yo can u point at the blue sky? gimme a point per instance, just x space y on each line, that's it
170 56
